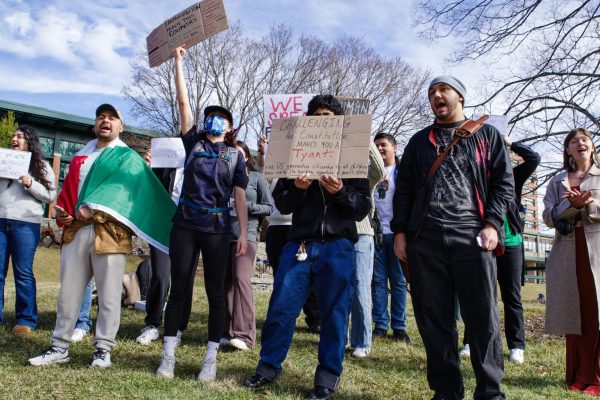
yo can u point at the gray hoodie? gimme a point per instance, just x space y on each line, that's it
25 204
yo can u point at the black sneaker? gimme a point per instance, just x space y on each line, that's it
401 335
320 393
379 333
256 381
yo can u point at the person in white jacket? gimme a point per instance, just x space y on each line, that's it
21 211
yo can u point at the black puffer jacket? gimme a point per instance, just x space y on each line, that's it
491 169
319 215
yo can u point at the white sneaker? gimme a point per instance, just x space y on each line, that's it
51 356
78 335
361 352
224 342
465 352
209 370
517 356
149 333
238 344
167 366
101 358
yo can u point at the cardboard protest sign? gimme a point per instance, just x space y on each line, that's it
14 163
167 153
189 27
499 122
325 145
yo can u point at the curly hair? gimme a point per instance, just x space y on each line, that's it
37 166
325 101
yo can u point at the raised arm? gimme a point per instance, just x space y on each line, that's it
185 111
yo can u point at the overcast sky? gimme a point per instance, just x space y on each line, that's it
70 56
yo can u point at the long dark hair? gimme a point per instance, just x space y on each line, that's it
567 165
250 165
37 166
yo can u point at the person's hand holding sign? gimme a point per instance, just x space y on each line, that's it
179 53
331 184
303 181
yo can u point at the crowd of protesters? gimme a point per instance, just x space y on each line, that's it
444 220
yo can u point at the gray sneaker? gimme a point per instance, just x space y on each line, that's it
167 366
101 358
53 355
149 333
209 370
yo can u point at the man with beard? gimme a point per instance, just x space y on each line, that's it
446 228
95 210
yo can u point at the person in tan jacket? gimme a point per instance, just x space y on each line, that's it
573 267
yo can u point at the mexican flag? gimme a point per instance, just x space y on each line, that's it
120 184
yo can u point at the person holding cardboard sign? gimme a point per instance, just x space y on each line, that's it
320 251
21 210
214 172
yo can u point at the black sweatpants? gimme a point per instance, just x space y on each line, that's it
185 247
444 261
277 237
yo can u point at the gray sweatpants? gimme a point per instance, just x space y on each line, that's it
78 263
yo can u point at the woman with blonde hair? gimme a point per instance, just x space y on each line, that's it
573 267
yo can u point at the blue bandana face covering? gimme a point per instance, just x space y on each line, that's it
215 125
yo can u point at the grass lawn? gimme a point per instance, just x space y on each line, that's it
392 371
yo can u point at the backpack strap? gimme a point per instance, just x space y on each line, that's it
233 158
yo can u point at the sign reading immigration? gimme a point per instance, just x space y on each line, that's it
189 27
14 163
320 145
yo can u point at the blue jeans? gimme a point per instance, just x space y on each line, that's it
84 322
360 332
329 269
387 267
18 242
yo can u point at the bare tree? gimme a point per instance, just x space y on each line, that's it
235 71
551 50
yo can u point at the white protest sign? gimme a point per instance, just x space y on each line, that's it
167 153
189 27
277 106
320 145
499 122
14 163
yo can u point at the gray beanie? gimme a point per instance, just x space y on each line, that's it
453 82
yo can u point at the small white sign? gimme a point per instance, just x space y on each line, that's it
14 163
167 153
499 122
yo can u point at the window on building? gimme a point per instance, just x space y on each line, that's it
529 243
68 149
47 145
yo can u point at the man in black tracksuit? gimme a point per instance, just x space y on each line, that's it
319 253
446 229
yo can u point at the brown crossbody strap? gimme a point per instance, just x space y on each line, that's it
465 130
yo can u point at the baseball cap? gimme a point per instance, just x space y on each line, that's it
110 107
